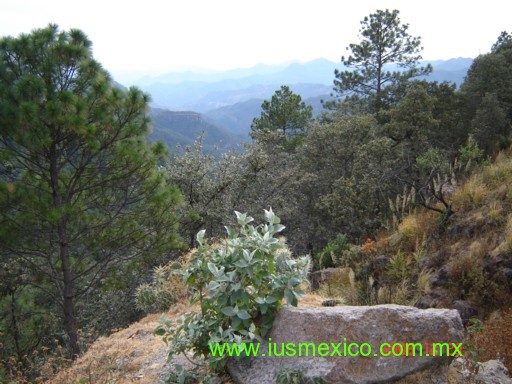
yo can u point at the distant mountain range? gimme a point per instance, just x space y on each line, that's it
225 103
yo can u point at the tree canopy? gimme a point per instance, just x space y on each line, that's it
386 57
285 112
488 95
80 193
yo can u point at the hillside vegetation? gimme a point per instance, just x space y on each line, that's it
419 263
380 184
465 263
468 257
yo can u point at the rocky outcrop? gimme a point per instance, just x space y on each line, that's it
493 372
489 372
298 332
466 310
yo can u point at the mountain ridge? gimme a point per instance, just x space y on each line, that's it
203 92
183 128
228 101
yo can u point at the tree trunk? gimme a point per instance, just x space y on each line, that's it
15 328
378 94
70 323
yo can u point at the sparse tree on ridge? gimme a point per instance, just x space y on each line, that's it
386 57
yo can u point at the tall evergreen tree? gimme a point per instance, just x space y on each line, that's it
386 57
80 192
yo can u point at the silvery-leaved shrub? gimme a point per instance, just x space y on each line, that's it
240 283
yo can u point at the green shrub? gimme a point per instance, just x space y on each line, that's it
331 254
470 152
239 283
354 256
399 269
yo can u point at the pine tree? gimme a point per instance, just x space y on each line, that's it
285 113
80 191
385 42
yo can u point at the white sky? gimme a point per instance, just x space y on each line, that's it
223 34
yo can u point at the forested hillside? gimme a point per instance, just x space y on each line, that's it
89 207
185 127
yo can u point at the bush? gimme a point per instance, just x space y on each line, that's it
333 251
165 290
239 284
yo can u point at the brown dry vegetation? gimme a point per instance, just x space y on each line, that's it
130 355
495 342
475 242
473 249
134 354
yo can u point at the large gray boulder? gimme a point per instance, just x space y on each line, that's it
342 326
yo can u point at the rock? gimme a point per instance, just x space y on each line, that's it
490 372
436 298
343 326
440 278
466 310
440 294
432 261
493 372
331 303
424 302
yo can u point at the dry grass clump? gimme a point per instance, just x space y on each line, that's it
401 294
310 300
471 195
495 212
413 230
492 182
505 245
337 285
495 342
467 256
166 289
423 282
498 173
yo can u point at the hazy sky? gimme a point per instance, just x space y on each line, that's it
222 34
